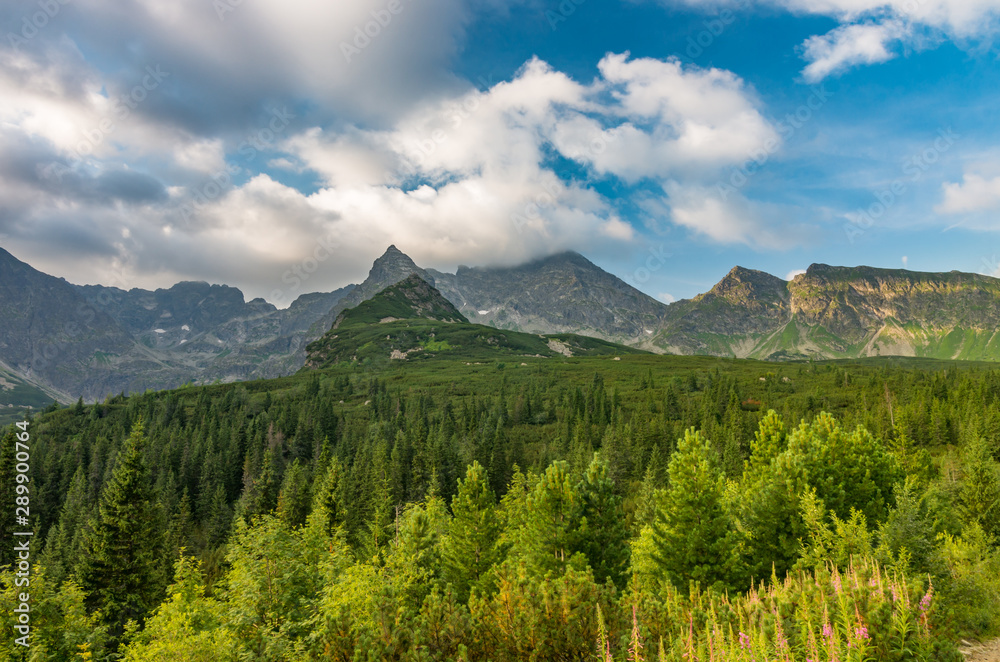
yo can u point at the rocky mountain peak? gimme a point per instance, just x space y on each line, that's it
410 298
393 266
743 286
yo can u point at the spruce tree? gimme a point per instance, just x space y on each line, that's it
550 534
62 545
7 494
604 534
979 495
122 564
693 535
470 548
328 502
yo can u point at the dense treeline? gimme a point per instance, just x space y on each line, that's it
493 511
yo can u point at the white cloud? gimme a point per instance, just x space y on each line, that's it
459 177
849 46
869 27
642 119
733 220
666 297
92 119
974 194
677 120
961 18
793 273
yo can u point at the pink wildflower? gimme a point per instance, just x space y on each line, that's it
861 632
925 602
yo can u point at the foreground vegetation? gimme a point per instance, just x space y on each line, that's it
606 508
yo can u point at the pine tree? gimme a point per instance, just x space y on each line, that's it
549 537
470 548
62 545
768 442
328 502
604 536
694 536
122 564
294 498
7 494
979 497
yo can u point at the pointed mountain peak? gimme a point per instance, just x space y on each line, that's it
742 285
394 255
391 267
411 298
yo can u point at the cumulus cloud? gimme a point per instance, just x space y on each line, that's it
733 219
849 46
174 189
234 56
974 194
793 273
872 31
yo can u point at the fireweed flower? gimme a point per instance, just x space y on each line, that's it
925 602
744 640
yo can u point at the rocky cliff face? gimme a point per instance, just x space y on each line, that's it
728 319
51 334
841 312
392 267
92 341
559 294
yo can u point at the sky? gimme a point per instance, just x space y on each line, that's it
281 146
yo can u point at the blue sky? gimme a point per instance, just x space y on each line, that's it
143 143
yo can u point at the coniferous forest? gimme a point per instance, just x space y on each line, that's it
632 508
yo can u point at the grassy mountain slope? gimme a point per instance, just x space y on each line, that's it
411 320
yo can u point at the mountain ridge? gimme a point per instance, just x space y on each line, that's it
843 312
412 321
92 340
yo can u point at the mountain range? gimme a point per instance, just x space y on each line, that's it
412 321
839 312
66 341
